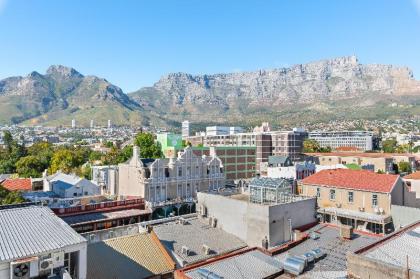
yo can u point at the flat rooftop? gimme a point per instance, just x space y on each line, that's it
194 234
333 265
395 248
98 216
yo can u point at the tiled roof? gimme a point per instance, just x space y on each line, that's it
18 184
414 175
28 231
353 179
135 256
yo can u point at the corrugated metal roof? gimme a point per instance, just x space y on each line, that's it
135 256
31 230
253 264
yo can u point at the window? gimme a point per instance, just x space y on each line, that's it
318 192
350 197
180 171
332 194
374 199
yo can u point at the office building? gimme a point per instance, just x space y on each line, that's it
362 140
223 130
73 123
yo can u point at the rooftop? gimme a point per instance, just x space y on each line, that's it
361 154
28 231
97 216
414 175
270 182
194 234
17 184
333 265
122 257
353 179
395 248
252 264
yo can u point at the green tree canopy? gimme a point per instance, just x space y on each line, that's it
7 197
389 145
148 147
404 167
31 166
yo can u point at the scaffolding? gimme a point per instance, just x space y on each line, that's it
265 190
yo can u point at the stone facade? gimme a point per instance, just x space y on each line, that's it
159 180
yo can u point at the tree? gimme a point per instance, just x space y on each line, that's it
389 145
404 167
8 140
310 146
7 197
64 160
31 166
148 147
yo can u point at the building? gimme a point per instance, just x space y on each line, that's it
395 256
92 124
116 258
249 263
384 162
190 239
296 172
170 144
223 130
106 177
239 162
265 217
185 129
358 198
362 140
109 124
70 186
39 245
266 142
17 184
158 180
73 123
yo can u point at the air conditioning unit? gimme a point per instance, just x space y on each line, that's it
92 237
58 259
20 270
185 250
45 265
206 249
203 210
111 234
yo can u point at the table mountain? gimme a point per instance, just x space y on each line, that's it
329 88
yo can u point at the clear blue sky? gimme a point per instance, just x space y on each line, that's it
133 43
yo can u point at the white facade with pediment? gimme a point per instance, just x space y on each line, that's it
158 180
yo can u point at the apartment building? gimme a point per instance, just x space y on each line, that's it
361 199
158 180
362 140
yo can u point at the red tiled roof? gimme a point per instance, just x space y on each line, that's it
361 154
414 175
353 179
17 184
347 149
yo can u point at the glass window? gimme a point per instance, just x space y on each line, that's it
350 197
318 192
180 171
374 199
332 194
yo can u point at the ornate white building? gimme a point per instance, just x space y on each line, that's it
159 180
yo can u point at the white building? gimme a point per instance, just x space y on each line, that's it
73 123
106 177
109 124
362 140
70 186
185 129
223 130
39 245
91 124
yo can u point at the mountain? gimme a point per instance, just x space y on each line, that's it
335 88
63 94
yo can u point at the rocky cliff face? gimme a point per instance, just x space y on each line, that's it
328 79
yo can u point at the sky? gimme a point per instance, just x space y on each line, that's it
132 43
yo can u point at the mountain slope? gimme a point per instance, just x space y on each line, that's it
336 88
63 94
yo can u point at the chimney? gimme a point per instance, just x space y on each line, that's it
136 151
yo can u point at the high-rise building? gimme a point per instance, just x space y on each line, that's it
73 123
91 124
109 124
361 140
185 129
